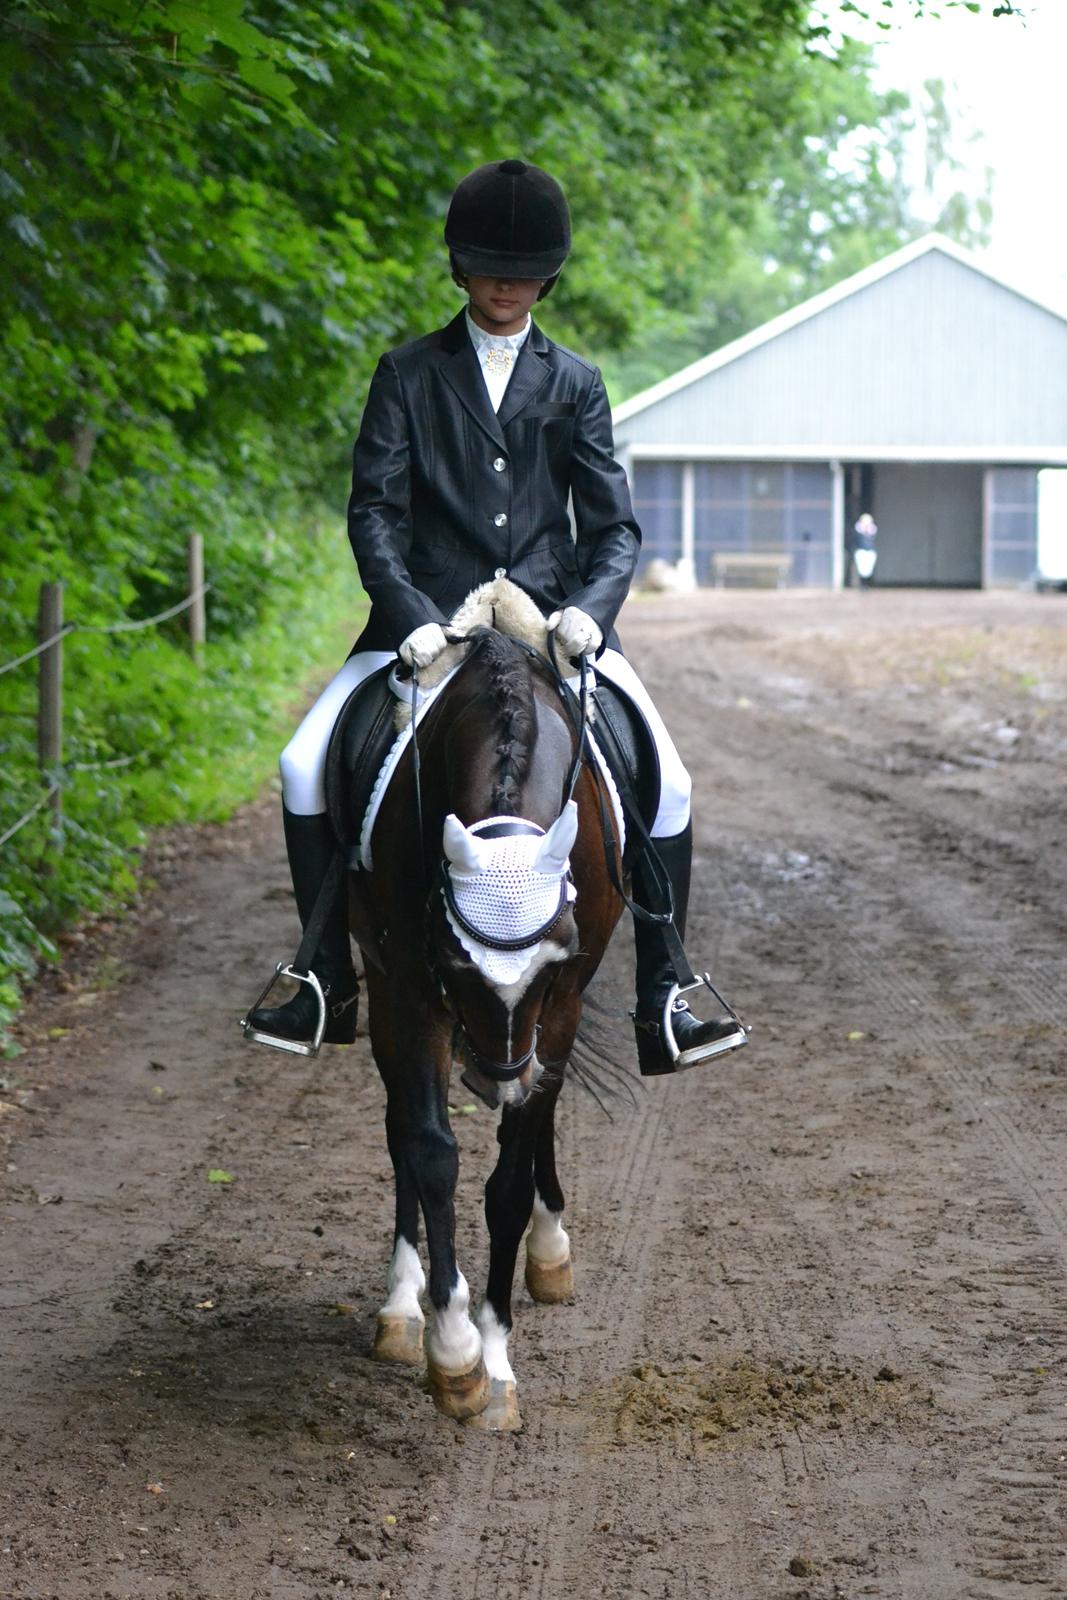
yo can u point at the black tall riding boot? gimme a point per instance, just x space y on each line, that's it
311 845
656 975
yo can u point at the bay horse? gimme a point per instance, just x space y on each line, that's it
481 922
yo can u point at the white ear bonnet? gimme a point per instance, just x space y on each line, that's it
507 887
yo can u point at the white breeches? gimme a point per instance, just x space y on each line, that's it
303 761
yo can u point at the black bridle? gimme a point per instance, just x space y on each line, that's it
507 1071
501 1071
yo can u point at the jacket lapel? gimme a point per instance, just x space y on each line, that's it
531 371
464 376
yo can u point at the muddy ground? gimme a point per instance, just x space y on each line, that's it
818 1347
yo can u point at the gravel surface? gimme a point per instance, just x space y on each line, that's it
818 1343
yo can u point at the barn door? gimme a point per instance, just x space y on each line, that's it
929 524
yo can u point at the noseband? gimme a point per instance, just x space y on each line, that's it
502 1071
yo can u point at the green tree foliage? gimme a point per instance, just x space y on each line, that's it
213 216
836 196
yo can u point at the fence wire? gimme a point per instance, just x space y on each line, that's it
30 814
39 650
147 622
107 627
87 627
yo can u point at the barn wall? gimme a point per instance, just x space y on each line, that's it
755 507
934 355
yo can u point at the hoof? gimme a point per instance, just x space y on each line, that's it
550 1286
501 1415
398 1339
461 1395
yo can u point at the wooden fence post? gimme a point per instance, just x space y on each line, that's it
50 695
197 618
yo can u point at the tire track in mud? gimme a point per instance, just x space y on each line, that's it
1020 1531
986 1093
1020 1537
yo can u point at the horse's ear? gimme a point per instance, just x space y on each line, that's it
555 847
463 850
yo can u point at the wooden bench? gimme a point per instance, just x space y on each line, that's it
760 571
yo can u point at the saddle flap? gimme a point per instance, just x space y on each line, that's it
627 744
361 739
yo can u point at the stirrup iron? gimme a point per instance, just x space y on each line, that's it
298 1047
701 1052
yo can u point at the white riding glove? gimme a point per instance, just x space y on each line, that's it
576 632
423 645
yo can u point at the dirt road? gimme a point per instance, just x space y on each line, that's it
818 1347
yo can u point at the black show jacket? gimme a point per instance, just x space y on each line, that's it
445 492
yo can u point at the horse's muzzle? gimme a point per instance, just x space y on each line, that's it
497 1082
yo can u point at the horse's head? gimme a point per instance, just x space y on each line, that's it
502 924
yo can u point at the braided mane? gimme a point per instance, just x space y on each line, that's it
509 683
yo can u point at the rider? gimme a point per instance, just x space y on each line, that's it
472 439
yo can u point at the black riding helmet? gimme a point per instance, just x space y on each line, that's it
508 220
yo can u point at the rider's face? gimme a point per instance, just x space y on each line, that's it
501 305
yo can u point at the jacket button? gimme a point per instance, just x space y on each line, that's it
499 464
501 519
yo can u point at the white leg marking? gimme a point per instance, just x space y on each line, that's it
453 1343
406 1282
495 1345
549 1243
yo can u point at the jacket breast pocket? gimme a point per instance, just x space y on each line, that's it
550 410
548 432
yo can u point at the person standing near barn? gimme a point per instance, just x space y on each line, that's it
472 441
864 548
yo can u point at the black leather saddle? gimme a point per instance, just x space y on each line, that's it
365 731
362 737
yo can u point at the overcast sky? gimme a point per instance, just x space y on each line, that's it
1007 80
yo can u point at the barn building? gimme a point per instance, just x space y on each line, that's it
923 390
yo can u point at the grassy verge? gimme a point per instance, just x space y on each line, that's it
196 745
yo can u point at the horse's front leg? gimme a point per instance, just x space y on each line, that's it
509 1201
549 1274
411 1038
398 1335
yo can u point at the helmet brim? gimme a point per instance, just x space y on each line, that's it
476 263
